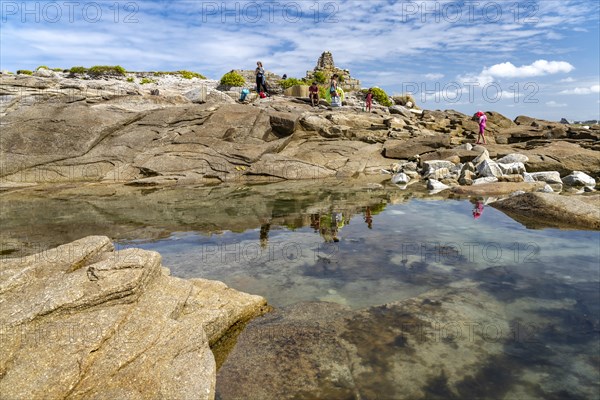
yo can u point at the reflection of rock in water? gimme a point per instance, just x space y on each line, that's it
38 220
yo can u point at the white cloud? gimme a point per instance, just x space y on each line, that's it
583 90
434 77
537 68
567 80
552 103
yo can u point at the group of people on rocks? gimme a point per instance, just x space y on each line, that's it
335 94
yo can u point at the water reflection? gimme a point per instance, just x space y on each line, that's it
478 209
359 249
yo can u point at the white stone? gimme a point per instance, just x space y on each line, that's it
513 158
45 73
197 95
434 184
528 178
489 168
489 179
512 168
485 155
547 176
400 178
578 178
547 189
431 166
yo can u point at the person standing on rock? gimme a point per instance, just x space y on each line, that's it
482 124
313 94
333 90
260 77
369 100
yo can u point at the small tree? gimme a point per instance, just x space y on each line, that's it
320 77
232 79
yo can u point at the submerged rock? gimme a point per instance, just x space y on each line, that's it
397 350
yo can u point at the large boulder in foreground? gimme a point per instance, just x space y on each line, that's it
553 210
85 321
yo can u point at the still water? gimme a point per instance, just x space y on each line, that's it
361 249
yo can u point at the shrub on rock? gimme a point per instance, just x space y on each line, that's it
78 70
24 72
380 96
98 70
289 82
232 79
320 77
189 74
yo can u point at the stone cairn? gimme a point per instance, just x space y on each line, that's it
326 65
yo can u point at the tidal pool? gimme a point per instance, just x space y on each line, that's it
361 249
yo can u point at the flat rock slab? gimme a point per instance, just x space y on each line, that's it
553 210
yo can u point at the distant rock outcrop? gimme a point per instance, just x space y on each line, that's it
326 67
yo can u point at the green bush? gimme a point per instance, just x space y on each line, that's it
189 75
130 79
57 69
320 77
147 80
232 79
78 70
380 96
289 82
24 72
323 92
41 66
106 70
340 78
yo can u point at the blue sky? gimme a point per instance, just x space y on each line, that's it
537 58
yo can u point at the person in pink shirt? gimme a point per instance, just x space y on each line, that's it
369 100
482 123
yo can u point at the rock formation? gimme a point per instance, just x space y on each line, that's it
85 321
116 131
326 66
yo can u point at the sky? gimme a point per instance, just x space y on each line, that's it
535 58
